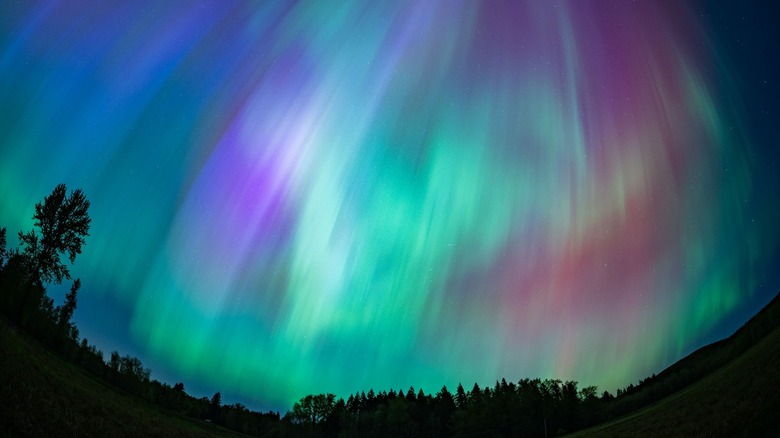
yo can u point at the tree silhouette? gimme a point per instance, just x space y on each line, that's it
214 407
313 409
60 228
114 362
216 400
63 222
460 397
4 299
3 253
65 313
132 368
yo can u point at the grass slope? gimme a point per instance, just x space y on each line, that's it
41 395
741 398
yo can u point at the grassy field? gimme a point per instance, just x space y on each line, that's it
41 395
740 399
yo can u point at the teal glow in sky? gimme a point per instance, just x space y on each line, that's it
335 196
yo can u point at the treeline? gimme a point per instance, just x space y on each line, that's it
531 407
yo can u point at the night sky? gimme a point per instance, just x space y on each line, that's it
290 199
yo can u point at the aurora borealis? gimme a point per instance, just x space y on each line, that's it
296 198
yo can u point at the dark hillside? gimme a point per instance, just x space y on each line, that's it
698 364
729 388
42 395
739 399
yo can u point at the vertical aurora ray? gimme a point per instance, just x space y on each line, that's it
329 196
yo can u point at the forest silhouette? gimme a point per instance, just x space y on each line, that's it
528 407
